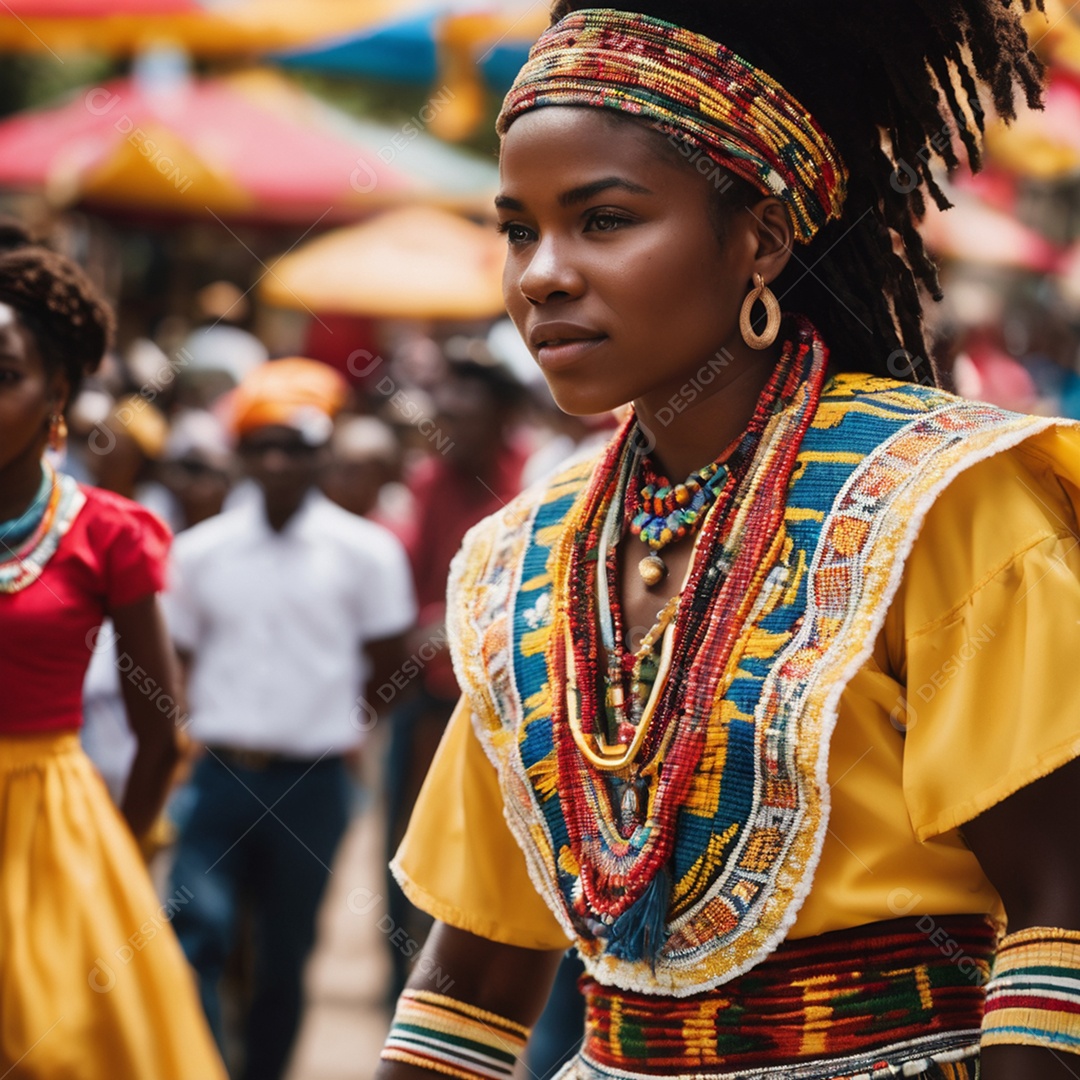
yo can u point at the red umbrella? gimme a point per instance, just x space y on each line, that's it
249 145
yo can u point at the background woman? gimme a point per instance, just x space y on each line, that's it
92 980
778 745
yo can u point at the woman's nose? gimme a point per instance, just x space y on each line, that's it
550 274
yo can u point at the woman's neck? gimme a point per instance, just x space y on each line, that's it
20 479
694 426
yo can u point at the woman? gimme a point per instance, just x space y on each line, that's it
779 746
92 980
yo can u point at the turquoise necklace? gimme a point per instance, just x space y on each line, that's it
15 531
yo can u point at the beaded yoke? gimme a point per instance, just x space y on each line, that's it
749 831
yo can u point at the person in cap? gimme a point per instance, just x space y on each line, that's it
93 984
282 608
771 708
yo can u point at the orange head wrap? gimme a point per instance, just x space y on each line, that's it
297 393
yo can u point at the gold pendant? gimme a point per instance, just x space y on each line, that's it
652 569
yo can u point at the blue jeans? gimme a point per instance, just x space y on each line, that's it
266 836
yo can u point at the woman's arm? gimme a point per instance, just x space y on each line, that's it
513 983
150 685
1028 848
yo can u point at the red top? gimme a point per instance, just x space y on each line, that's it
113 554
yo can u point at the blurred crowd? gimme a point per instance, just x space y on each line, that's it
300 629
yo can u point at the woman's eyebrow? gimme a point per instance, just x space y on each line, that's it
579 194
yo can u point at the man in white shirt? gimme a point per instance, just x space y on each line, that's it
281 608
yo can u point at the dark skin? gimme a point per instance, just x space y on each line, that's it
29 395
640 270
284 466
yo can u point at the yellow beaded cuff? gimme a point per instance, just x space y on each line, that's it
1033 996
436 1032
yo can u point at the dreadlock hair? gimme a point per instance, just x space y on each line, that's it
71 324
894 84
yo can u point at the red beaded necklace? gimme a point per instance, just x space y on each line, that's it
736 550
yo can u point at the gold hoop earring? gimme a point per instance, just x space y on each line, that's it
761 292
58 432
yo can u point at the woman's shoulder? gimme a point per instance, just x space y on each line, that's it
118 529
1030 486
105 513
1022 502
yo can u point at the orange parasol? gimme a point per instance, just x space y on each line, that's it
417 262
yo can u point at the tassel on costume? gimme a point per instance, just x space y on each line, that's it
639 932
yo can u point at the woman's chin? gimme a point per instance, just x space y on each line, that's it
578 400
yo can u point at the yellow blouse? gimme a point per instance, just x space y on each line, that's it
972 693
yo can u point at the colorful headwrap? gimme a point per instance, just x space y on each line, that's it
297 392
694 89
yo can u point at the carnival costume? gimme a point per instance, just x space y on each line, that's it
746 827
92 980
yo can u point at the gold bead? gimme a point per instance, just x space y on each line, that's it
652 570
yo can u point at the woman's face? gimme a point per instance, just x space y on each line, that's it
615 276
28 394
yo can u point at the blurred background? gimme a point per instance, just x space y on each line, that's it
251 179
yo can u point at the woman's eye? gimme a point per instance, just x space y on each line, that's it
514 233
7 377
605 222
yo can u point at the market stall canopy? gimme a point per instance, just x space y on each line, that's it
251 145
452 48
975 232
96 9
416 262
207 28
408 48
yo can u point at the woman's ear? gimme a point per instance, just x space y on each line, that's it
59 391
775 238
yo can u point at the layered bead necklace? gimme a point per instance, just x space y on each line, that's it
629 733
662 513
30 540
659 513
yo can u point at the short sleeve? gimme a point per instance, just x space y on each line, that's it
135 550
459 861
387 599
985 632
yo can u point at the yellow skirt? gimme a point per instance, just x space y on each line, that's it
93 984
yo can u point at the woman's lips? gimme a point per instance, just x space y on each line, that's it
562 354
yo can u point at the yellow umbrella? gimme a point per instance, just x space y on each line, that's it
133 178
249 26
417 262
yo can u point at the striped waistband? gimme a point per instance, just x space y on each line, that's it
875 1001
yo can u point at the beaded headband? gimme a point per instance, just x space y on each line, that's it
695 89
